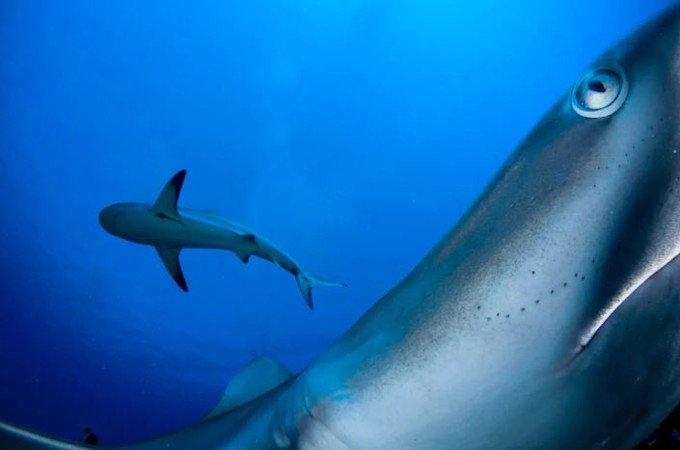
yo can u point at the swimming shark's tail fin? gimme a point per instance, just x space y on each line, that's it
307 281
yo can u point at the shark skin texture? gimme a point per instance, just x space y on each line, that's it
170 229
547 318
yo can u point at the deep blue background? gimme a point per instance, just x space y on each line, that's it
352 133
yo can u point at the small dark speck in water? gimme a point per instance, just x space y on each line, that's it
538 301
523 309
498 314
576 275
565 284
552 291
507 316
478 307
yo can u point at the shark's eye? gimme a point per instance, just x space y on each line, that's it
600 93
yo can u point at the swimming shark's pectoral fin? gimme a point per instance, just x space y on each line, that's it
258 377
16 438
170 257
166 203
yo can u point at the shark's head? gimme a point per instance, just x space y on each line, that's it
599 178
121 219
559 284
588 207
141 222
565 268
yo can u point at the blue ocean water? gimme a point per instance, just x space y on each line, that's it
351 133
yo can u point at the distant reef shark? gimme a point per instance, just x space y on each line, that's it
548 317
170 229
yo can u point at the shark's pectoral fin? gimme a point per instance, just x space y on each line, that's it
258 377
166 203
16 438
170 257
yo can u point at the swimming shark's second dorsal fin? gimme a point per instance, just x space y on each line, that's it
166 203
256 378
170 257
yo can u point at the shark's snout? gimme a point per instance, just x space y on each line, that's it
108 217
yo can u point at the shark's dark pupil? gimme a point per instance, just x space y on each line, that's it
597 86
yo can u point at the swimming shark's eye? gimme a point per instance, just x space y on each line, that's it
600 93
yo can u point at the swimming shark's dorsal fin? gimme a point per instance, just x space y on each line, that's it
256 378
166 203
170 257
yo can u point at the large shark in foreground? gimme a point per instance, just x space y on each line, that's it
170 229
548 318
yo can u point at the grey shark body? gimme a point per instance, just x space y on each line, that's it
170 229
548 318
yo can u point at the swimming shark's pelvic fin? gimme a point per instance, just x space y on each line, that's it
166 203
170 257
307 281
256 378
250 245
243 256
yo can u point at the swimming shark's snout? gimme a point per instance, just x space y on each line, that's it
108 217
